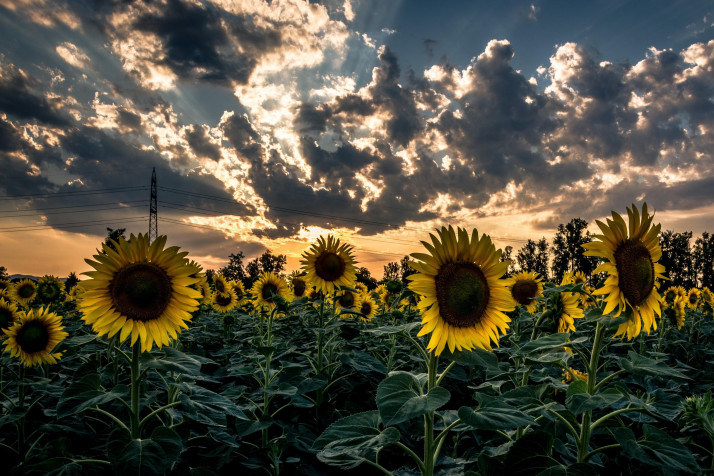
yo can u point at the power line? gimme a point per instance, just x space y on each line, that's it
73 206
69 225
69 212
74 193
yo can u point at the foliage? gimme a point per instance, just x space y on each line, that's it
534 256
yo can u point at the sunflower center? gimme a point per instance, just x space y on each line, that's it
268 291
50 291
330 266
299 287
25 291
366 308
141 291
462 293
693 299
635 271
346 300
524 291
33 337
219 286
223 299
5 318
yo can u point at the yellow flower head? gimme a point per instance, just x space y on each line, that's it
267 288
633 271
463 298
23 292
141 290
33 337
329 264
527 285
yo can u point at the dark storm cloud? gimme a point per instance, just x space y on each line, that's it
198 140
128 119
21 97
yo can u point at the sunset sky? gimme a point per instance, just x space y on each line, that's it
270 123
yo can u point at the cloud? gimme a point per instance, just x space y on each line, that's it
21 96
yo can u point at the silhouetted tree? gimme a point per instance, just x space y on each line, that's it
568 250
265 263
405 270
533 256
3 272
234 269
71 281
209 275
703 260
114 234
677 258
365 277
391 271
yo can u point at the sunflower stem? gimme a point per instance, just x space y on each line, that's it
429 451
21 406
135 387
585 427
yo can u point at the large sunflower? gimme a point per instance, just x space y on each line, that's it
23 292
463 298
267 288
50 289
328 264
141 290
527 285
33 337
632 268
9 314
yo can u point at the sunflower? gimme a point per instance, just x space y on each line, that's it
680 312
9 314
567 310
74 292
239 289
387 298
33 337
361 288
707 297
463 298
527 285
141 290
23 292
299 286
669 295
5 286
220 284
632 268
267 288
579 277
346 299
366 306
329 264
693 298
49 289
573 374
224 302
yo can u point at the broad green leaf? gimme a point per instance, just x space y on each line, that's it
494 414
203 406
398 399
87 392
350 440
171 360
550 342
657 448
363 362
530 454
640 365
578 400
386 330
478 358
149 456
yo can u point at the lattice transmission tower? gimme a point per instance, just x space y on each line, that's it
153 219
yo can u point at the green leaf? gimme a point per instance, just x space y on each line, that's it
579 401
154 455
203 406
640 365
171 360
479 358
86 393
494 414
550 342
398 399
657 448
530 454
363 362
386 330
350 440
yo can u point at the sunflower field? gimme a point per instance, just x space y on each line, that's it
147 367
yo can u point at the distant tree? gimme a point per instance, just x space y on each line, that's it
568 250
234 270
114 235
507 256
3 272
533 256
703 260
365 277
71 281
405 270
391 271
265 263
677 258
209 275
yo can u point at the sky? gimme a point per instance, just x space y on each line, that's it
272 123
